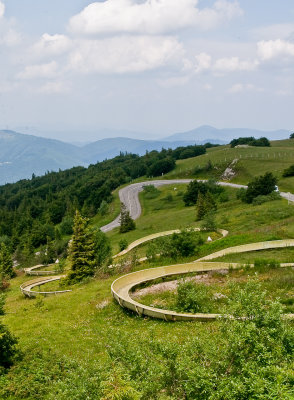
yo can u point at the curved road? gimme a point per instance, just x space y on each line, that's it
129 195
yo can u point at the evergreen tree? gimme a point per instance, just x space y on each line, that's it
6 264
50 252
81 251
102 248
201 209
205 205
126 222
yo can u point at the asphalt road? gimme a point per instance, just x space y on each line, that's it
129 195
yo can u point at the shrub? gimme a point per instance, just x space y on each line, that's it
262 185
193 297
123 244
150 192
289 171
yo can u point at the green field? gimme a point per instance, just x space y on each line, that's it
83 345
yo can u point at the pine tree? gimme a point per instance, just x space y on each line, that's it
81 251
126 222
201 206
6 263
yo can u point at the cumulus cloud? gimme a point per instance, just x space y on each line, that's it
9 37
271 49
124 54
52 45
48 70
150 16
233 64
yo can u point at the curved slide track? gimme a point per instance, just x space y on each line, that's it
122 286
35 270
27 287
129 195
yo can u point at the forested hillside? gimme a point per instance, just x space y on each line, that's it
30 209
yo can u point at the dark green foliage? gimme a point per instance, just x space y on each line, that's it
6 263
263 199
123 244
182 153
195 187
161 167
66 225
262 185
81 251
126 222
50 255
251 141
205 205
8 342
30 209
102 248
289 171
292 136
103 207
194 298
183 244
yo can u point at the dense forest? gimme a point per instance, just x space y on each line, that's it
30 210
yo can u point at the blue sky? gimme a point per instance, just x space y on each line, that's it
150 66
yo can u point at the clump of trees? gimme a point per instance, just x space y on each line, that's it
30 210
260 186
196 187
250 141
126 222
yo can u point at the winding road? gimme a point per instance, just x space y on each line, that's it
129 195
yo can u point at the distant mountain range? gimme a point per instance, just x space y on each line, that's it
21 155
209 133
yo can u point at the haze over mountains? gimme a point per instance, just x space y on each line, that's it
21 155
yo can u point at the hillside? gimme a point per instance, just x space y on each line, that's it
75 345
21 155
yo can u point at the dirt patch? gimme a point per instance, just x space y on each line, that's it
229 172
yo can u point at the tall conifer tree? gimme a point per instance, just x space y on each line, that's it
81 250
6 263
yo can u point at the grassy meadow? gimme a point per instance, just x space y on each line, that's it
82 345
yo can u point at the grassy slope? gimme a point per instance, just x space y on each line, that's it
74 326
252 161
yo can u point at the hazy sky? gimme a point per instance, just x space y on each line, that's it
154 66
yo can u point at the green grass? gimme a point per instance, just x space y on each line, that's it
279 284
83 326
252 161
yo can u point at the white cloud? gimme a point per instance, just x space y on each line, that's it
49 45
9 37
233 64
271 49
244 87
203 62
150 16
2 9
124 54
48 70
